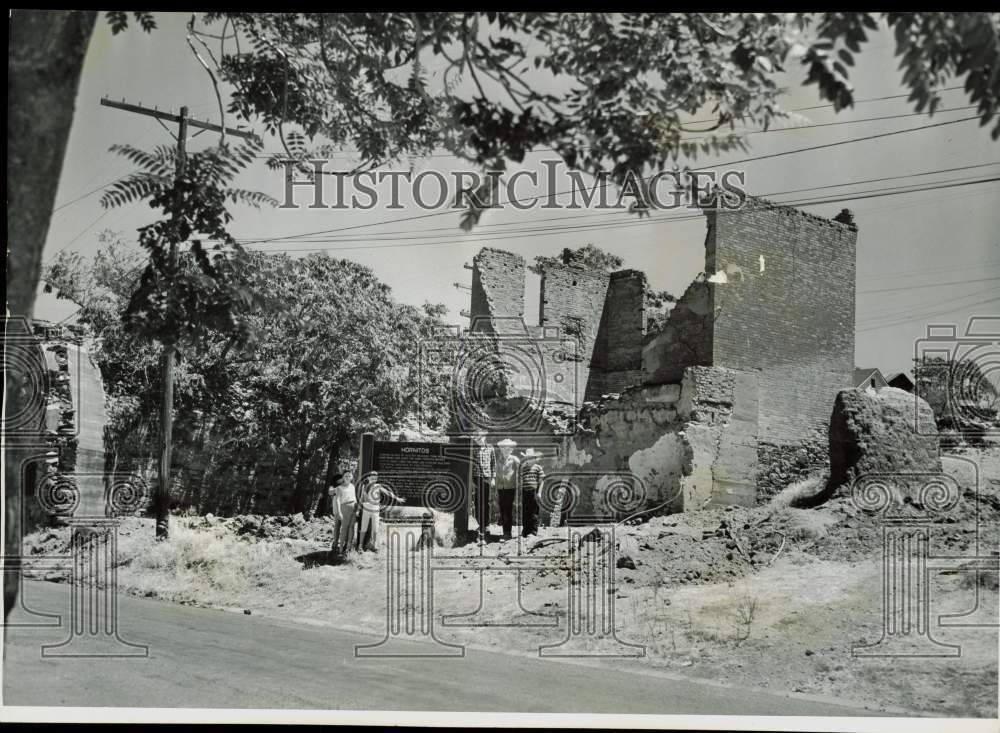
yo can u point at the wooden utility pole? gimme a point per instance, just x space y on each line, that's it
162 502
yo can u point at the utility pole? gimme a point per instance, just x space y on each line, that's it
162 501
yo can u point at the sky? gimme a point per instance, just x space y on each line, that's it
930 257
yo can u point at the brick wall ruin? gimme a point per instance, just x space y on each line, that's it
749 360
601 312
616 363
780 302
790 315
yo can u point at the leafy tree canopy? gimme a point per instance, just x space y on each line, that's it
482 85
588 256
263 421
186 297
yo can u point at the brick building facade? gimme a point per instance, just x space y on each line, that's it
781 303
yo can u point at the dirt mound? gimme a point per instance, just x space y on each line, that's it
884 432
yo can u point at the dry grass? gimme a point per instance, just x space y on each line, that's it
213 567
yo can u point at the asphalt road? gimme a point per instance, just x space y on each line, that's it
216 659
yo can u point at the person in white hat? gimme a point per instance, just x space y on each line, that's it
532 476
508 475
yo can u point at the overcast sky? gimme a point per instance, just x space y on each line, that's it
924 257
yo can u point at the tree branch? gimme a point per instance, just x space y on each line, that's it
215 84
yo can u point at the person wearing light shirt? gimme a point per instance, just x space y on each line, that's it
507 475
371 505
345 504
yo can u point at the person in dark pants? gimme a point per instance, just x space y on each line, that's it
483 480
507 477
532 476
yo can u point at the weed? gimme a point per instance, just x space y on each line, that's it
745 612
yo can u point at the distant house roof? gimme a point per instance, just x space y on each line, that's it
902 380
863 375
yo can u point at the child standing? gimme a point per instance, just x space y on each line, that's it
532 476
371 505
345 503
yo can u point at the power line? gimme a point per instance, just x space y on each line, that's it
83 231
873 195
928 315
924 271
510 226
823 146
931 285
873 316
542 231
852 140
83 196
451 235
92 162
862 101
751 132
345 153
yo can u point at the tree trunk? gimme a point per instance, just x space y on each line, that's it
300 501
332 468
44 60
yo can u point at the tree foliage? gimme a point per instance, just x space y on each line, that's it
483 85
188 297
258 426
933 49
118 20
588 256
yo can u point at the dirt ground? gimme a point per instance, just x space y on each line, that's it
771 597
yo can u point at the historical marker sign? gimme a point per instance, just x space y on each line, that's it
432 475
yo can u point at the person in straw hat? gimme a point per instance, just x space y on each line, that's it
532 476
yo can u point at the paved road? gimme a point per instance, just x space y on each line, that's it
206 658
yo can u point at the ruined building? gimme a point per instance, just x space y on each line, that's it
746 366
68 477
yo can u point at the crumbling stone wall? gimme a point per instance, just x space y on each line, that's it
686 338
781 464
690 444
573 298
888 432
754 353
